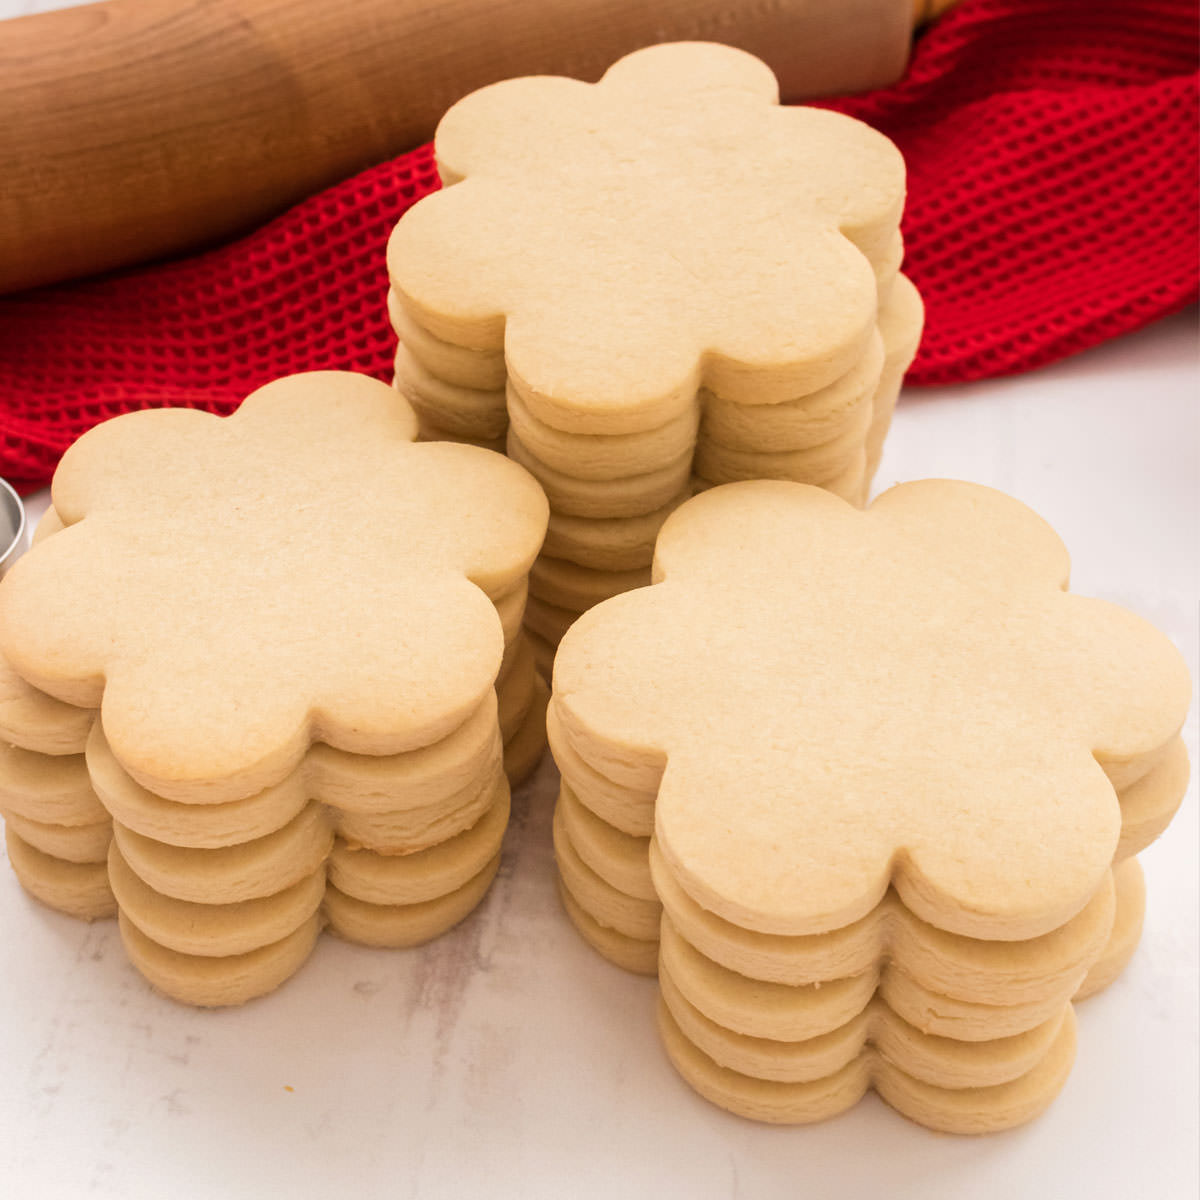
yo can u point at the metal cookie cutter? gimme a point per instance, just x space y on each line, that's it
14 532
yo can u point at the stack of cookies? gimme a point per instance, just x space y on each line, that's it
647 286
57 832
267 673
864 790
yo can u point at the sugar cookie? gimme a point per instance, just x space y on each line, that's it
51 789
628 809
548 621
35 721
602 456
469 412
400 925
813 463
214 982
1127 929
975 580
516 693
567 585
431 431
1148 804
628 915
76 889
630 954
950 1110
426 874
481 370
71 843
543 654
619 859
608 543
451 526
50 523
213 930
901 321
408 830
632 495
525 748
794 424
231 873
676 305
979 970
928 1057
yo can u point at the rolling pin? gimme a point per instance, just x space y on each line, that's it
135 129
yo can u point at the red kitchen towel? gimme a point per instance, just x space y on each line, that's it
1052 149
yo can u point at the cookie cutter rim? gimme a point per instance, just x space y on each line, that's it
11 506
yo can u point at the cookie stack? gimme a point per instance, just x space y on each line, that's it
864 790
56 830
840 428
633 316
962 1035
319 733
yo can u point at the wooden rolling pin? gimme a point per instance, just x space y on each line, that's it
134 129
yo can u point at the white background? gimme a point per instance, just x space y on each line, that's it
506 1059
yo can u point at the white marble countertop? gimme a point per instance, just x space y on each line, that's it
507 1059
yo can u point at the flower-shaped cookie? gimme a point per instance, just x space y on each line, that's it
844 699
229 591
667 228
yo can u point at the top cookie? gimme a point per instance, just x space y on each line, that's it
230 590
669 227
844 699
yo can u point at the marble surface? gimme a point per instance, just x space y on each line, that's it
506 1059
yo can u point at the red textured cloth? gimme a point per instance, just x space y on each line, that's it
1052 149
